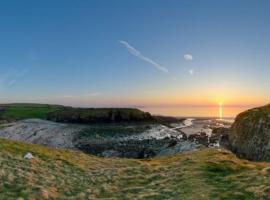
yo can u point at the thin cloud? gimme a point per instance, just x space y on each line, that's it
94 94
188 57
17 75
191 71
66 96
139 55
12 76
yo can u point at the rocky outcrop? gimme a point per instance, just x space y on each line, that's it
137 148
250 134
96 115
220 136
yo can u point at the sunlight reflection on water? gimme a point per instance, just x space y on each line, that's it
197 111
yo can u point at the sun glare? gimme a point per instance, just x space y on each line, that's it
220 109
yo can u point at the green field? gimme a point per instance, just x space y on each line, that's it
26 113
62 174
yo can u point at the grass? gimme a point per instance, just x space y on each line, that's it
26 111
63 174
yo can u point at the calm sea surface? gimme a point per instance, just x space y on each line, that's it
197 111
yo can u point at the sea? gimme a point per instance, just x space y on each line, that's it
221 112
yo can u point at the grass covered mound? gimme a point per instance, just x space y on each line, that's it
250 134
62 174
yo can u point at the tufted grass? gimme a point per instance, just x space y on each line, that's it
63 174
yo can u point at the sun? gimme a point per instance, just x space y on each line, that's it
220 103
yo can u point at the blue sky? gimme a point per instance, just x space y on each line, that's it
129 53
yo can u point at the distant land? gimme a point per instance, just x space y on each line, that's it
59 113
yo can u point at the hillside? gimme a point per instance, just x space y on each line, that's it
63 174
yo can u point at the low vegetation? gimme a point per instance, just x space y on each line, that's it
63 174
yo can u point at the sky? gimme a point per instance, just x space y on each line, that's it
135 52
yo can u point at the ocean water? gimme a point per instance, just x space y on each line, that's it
197 111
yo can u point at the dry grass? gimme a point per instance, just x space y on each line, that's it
60 174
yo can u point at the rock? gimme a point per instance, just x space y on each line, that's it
250 134
110 153
172 143
28 155
220 136
147 153
182 146
183 136
224 142
201 138
133 148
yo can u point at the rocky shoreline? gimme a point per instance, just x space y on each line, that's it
131 140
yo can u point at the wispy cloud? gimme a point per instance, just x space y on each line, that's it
90 94
188 57
10 77
93 94
139 55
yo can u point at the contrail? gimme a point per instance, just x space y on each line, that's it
139 55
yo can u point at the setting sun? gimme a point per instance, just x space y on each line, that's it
220 103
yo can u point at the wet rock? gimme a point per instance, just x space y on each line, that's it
224 142
147 153
220 136
111 153
181 146
172 143
137 148
201 138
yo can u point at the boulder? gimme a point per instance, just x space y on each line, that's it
28 155
111 153
250 134
201 138
220 136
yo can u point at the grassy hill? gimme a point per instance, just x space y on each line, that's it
62 174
